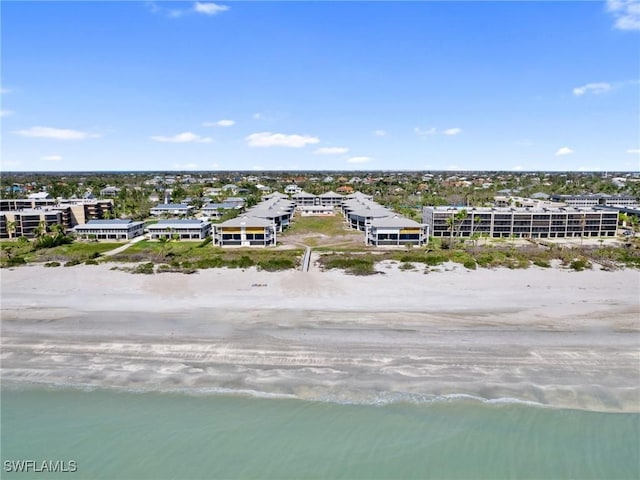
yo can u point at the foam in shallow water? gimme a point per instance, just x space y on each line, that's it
161 435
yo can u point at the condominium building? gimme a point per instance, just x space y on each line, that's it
520 222
172 209
316 210
396 231
590 200
183 229
122 229
74 211
216 211
304 198
332 199
245 231
28 222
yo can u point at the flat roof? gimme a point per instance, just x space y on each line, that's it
172 205
568 209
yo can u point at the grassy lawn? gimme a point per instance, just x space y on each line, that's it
320 231
331 226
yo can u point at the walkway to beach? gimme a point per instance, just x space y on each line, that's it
122 248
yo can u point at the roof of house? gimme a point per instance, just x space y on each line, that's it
372 212
220 206
246 221
163 224
172 206
38 195
330 195
302 194
395 221
124 223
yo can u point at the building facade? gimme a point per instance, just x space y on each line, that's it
595 199
183 229
520 222
28 223
176 209
122 229
244 232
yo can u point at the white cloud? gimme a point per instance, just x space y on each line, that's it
564 151
51 158
517 168
594 88
209 8
268 139
185 137
185 166
4 90
452 131
330 150
5 113
359 160
220 123
379 133
55 133
626 13
634 151
423 133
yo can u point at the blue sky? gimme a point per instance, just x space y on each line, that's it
320 85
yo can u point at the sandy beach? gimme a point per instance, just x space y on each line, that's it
549 336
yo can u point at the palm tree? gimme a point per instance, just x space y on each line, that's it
40 230
11 228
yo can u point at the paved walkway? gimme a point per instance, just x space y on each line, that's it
122 248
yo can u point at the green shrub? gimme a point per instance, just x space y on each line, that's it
542 263
579 264
470 264
15 261
406 266
73 262
245 262
52 264
144 268
276 264
91 261
434 259
215 262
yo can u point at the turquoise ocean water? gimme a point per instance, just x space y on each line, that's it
170 435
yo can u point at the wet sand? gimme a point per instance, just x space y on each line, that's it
549 336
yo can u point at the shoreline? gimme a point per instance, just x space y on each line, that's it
552 337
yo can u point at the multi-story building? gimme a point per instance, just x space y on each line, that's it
122 229
74 211
590 200
396 231
245 232
184 229
520 222
175 209
216 211
28 222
